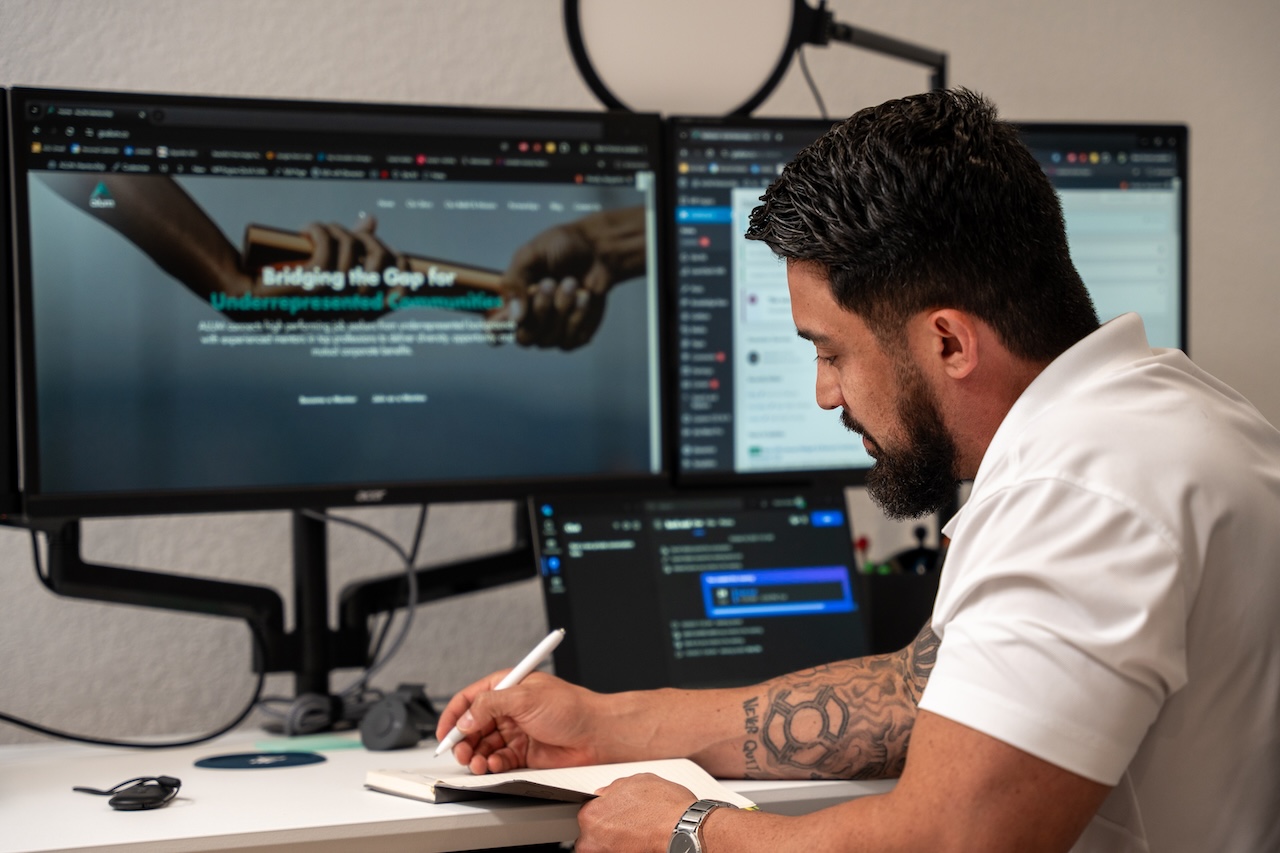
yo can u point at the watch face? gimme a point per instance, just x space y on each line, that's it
683 842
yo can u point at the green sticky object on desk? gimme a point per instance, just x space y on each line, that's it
315 743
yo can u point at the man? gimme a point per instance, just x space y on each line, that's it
1102 670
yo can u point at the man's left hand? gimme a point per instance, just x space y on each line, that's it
632 815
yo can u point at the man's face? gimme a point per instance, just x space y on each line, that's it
917 476
882 397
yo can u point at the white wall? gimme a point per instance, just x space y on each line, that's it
124 671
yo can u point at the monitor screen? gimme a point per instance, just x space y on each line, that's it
744 400
235 303
744 404
698 589
1124 197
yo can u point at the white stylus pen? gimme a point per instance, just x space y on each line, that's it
540 653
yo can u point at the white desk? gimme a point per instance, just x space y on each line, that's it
319 808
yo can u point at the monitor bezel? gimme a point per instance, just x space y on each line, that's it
42 504
10 495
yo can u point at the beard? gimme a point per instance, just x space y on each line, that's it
918 478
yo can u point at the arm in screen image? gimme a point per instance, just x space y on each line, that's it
557 283
553 290
160 218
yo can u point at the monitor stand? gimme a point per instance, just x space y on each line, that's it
313 649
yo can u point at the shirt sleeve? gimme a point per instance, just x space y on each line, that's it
1062 619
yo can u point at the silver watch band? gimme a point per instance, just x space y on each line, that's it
690 822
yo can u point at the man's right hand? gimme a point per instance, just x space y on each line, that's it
542 722
556 283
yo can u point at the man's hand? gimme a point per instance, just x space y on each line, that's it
335 247
632 814
556 286
557 282
541 722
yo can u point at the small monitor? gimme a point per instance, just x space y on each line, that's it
234 303
1124 197
698 590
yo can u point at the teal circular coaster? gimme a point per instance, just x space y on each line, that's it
259 760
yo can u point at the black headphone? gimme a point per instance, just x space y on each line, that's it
143 792
399 720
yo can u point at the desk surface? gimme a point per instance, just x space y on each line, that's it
320 808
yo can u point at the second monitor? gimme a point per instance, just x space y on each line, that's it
744 400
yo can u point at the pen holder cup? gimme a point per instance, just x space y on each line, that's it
897 607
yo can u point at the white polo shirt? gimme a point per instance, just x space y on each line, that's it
1110 600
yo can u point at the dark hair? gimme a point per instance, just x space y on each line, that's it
931 202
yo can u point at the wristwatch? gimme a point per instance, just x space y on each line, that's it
687 836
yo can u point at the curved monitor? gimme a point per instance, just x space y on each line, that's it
744 382
233 303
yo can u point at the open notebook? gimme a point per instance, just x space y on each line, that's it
568 784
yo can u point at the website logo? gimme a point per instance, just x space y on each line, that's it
101 197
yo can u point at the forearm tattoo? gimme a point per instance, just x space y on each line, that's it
847 720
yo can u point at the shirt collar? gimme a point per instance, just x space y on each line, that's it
1117 342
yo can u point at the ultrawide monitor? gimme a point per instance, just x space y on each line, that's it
233 303
744 400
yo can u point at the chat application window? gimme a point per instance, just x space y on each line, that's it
779 424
